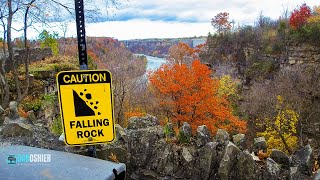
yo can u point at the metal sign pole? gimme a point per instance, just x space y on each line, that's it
81 33
82 50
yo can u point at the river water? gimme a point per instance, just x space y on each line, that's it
154 62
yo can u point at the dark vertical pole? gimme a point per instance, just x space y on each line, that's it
81 33
82 50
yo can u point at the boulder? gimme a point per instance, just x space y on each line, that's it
17 130
186 155
142 122
142 146
1 115
293 173
208 160
203 136
121 135
166 160
61 137
222 137
228 161
13 110
260 144
246 168
303 159
239 140
271 171
31 116
185 165
280 158
109 152
184 133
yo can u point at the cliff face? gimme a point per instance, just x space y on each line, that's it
159 47
303 53
151 151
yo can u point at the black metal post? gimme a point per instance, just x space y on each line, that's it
82 50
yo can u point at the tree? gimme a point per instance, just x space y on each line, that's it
299 17
180 54
221 22
188 94
315 18
50 41
281 130
27 12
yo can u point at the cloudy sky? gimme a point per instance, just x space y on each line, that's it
136 19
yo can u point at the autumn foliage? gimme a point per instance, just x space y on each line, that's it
221 22
299 17
180 53
188 94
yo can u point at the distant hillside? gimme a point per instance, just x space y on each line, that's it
159 47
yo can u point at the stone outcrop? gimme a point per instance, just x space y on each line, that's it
13 110
144 148
280 158
303 53
1 115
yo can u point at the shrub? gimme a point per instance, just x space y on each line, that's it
56 127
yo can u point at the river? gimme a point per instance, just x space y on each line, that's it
154 62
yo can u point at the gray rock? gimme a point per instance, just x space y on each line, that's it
260 144
203 136
142 122
271 171
280 158
142 146
208 160
228 161
17 130
222 137
185 164
121 135
169 131
239 140
303 159
293 173
317 175
107 151
187 156
31 116
185 133
61 137
13 110
246 168
1 115
166 159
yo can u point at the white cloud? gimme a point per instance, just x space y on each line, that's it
176 18
136 29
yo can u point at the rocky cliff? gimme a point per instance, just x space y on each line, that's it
151 151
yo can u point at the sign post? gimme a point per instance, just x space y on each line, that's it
85 98
86 106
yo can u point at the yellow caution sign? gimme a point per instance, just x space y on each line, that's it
86 105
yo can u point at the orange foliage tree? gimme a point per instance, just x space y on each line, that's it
188 94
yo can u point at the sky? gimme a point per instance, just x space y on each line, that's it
140 19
